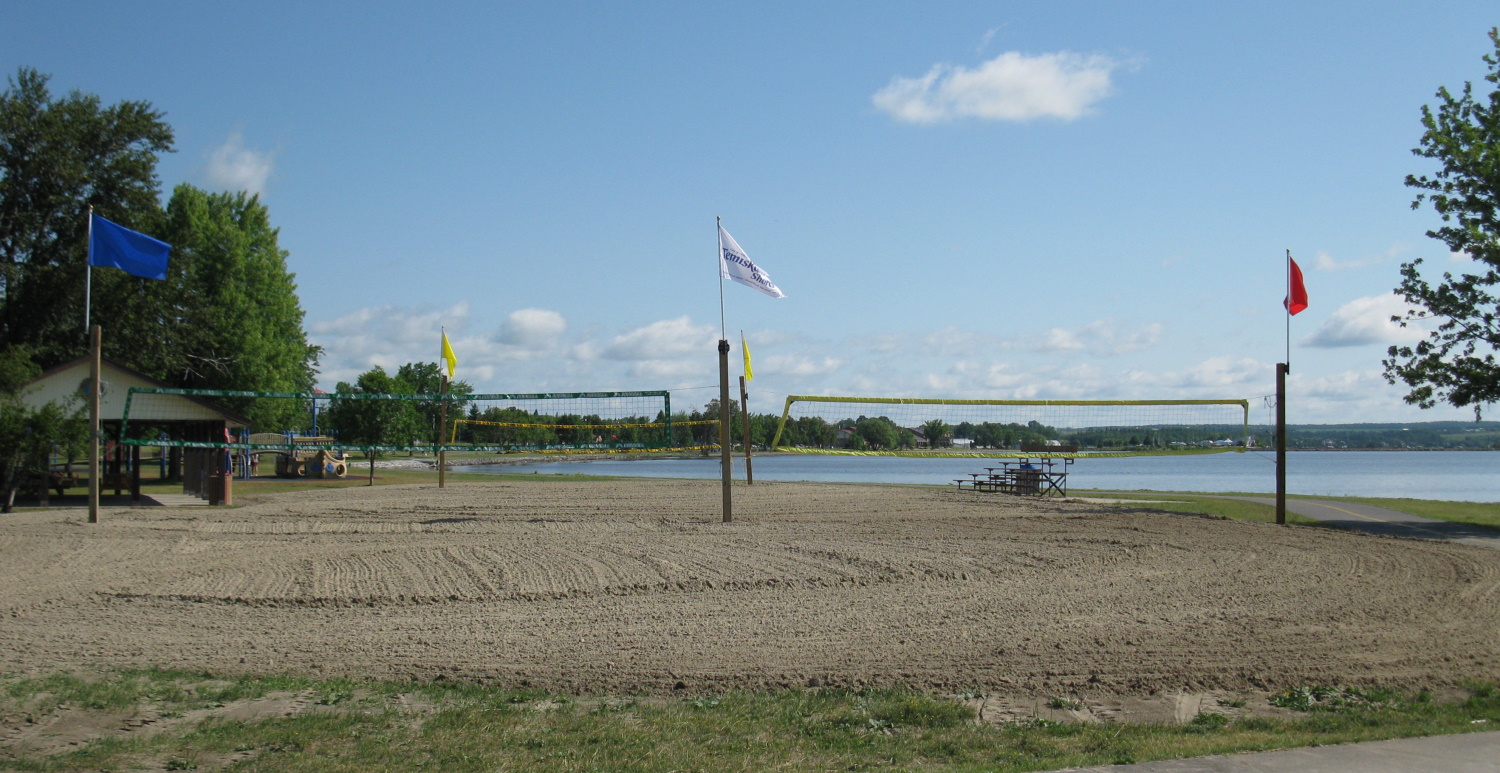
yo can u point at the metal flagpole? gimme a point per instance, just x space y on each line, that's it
719 229
88 267
1289 309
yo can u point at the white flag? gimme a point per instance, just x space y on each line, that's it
734 264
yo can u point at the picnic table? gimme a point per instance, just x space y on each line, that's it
1027 477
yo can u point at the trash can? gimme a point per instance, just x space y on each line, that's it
220 488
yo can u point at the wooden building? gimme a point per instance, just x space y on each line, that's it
177 416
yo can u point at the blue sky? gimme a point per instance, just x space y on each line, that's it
1050 200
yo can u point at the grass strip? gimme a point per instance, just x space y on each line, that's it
187 721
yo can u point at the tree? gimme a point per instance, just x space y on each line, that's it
58 156
1456 362
936 431
236 322
879 433
226 317
374 422
29 435
425 378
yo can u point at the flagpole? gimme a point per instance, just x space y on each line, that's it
1282 369
718 229
88 268
1289 309
726 462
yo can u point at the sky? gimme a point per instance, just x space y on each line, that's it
1085 200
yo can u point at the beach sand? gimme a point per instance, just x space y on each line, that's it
636 585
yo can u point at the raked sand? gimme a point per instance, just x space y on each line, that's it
636 585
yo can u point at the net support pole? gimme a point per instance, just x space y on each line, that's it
726 462
371 452
442 432
95 336
1281 370
745 412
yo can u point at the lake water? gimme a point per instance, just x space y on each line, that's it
1471 476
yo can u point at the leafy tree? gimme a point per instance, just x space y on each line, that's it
29 435
879 433
57 156
374 422
229 311
227 316
425 378
1456 362
936 431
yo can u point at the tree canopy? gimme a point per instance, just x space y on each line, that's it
226 317
58 156
1456 362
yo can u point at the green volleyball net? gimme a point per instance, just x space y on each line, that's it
304 422
890 426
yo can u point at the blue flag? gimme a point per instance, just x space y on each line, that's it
116 246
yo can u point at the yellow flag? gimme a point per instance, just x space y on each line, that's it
449 356
744 347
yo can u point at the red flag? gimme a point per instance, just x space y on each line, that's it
1296 299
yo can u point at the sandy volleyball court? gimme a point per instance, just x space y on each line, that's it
636 585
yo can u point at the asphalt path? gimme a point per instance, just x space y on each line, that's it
1382 520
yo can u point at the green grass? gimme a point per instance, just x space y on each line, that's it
358 726
1483 514
1182 502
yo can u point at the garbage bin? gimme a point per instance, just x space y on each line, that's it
220 488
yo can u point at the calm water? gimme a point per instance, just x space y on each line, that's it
1472 476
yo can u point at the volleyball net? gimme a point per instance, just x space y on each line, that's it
889 426
571 422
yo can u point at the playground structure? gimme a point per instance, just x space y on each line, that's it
302 457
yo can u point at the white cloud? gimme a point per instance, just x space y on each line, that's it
703 369
1011 87
1326 262
1233 376
1365 321
879 343
1102 337
237 168
795 365
532 328
388 336
665 339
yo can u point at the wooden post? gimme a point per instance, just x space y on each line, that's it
745 412
115 466
725 459
1281 370
94 346
442 432
135 475
371 452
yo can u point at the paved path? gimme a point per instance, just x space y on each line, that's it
1468 753
1381 520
